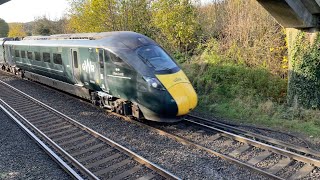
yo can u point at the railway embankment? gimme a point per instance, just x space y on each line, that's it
249 96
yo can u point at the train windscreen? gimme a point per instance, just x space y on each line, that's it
156 57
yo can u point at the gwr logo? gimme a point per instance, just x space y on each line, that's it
87 66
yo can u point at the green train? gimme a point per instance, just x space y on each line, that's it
123 71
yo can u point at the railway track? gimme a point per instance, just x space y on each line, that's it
82 152
273 158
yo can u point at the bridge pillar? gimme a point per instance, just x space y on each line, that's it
304 68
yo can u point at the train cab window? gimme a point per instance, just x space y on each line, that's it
156 57
109 56
30 55
115 58
23 54
37 56
57 58
46 57
17 53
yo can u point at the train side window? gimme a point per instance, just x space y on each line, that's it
57 58
46 57
23 54
75 58
17 53
101 58
30 55
37 56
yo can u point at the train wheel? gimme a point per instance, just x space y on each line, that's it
119 107
95 99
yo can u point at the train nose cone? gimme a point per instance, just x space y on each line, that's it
184 96
181 90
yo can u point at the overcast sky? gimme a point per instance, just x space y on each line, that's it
27 10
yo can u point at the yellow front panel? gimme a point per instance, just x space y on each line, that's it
180 88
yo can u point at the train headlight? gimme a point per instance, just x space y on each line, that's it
155 83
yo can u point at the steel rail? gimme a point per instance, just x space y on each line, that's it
216 153
50 152
256 136
135 156
255 143
54 145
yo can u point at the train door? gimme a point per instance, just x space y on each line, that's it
120 76
76 66
103 81
8 58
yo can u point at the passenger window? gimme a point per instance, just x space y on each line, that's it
37 56
46 57
57 58
23 54
75 59
101 58
17 53
30 55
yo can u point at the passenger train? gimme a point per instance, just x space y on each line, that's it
125 72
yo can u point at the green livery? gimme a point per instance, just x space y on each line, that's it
115 70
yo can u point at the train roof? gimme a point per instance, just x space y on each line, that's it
119 39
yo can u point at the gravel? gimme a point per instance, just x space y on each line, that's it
282 135
315 174
288 171
269 161
249 154
183 161
21 157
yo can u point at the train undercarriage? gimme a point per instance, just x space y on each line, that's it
98 98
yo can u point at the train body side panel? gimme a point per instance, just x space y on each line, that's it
1 53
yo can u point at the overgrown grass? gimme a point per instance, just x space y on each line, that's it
248 95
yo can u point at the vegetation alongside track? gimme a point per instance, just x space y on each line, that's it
247 95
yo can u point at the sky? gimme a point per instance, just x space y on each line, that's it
28 10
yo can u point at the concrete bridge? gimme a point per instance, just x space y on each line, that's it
3 1
299 14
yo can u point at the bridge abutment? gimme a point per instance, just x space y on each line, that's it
304 67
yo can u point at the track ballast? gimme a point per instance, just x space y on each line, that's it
82 152
268 156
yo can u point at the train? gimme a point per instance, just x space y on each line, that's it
123 71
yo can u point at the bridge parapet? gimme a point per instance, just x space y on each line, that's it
3 1
299 14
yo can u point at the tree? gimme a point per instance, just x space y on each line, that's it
246 33
42 26
135 15
176 20
110 15
16 30
45 26
93 16
4 28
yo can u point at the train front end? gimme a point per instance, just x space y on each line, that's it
169 95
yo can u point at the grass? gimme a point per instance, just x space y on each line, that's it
247 95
